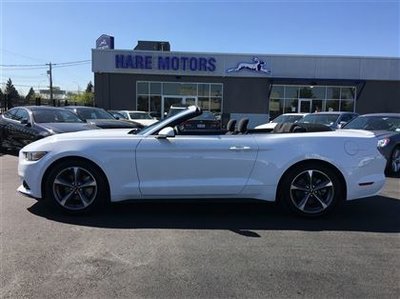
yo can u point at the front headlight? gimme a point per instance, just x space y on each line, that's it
34 156
383 142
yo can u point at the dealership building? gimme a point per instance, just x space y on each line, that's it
260 86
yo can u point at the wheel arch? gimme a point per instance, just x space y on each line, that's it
310 161
76 158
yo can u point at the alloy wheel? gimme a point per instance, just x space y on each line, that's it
75 188
396 160
312 191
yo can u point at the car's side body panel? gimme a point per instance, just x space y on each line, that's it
195 165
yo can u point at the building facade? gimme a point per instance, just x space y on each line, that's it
233 85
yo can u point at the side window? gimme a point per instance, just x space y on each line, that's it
347 117
22 114
11 114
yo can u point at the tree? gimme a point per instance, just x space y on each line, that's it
12 94
2 98
89 87
85 99
30 97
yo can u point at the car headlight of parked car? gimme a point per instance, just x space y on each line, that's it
34 156
383 142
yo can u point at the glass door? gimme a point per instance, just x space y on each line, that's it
304 106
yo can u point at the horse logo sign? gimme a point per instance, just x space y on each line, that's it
256 66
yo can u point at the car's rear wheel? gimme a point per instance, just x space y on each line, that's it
76 186
394 162
311 190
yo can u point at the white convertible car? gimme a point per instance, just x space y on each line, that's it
309 172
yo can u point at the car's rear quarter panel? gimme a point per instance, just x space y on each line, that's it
357 159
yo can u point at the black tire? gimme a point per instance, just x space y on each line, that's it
394 163
311 190
76 186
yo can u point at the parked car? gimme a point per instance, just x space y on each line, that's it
20 126
140 117
387 127
334 120
116 114
206 121
101 118
78 171
283 118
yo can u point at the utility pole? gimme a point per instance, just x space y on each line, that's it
49 72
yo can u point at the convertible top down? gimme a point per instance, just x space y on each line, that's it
310 173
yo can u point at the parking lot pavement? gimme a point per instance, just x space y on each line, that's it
198 250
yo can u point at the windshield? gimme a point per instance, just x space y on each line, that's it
139 115
387 123
287 118
325 119
206 115
175 110
54 116
164 122
91 113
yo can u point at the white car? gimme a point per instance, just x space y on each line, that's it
141 117
309 172
283 118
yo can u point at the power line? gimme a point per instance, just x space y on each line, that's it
39 66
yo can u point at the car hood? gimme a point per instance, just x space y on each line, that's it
111 123
377 133
58 128
383 134
110 135
266 126
145 122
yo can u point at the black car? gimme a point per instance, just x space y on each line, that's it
101 118
20 126
334 119
206 121
387 128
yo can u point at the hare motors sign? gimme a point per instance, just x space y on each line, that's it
165 63
180 63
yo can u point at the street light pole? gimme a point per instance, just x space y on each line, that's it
49 72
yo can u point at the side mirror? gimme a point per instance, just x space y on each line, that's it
342 124
25 122
166 133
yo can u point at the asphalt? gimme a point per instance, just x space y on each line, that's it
198 249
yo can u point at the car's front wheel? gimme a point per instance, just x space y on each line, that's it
311 189
76 186
394 163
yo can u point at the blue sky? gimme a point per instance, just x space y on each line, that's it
39 32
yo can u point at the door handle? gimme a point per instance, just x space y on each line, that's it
240 148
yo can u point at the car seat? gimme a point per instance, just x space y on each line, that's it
230 127
242 126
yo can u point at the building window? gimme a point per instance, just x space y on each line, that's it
307 98
157 97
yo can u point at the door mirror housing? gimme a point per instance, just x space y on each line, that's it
167 132
25 122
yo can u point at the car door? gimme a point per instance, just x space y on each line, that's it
189 165
9 121
21 131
